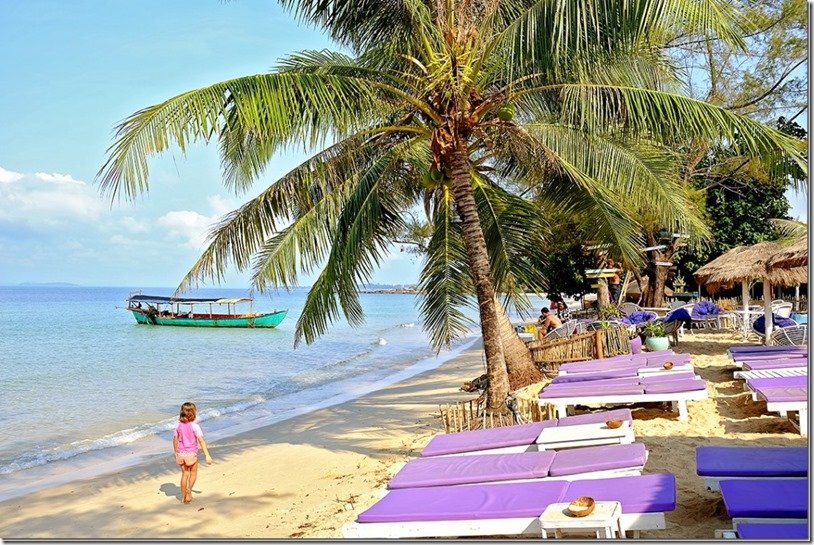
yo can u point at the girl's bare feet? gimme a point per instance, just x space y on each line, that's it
187 496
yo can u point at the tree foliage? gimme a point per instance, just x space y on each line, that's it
742 199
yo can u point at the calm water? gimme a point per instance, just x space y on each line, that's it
86 390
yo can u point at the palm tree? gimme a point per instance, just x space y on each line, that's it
455 104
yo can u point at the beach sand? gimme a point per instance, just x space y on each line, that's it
308 476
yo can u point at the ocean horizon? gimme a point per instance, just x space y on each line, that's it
88 391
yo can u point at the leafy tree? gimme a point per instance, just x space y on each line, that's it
743 198
462 101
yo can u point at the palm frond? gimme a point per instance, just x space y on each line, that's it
445 284
280 109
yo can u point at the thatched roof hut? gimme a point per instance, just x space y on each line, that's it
792 256
747 263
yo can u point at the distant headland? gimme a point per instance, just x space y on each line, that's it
389 289
49 285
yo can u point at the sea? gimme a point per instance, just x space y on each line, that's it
84 390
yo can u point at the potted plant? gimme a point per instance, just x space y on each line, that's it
655 337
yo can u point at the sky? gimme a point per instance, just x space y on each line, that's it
70 72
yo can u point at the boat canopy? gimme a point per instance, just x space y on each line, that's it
162 300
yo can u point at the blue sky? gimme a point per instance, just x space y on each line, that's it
70 72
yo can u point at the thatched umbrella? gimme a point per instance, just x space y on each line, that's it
744 264
792 256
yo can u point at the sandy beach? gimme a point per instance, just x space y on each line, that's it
308 476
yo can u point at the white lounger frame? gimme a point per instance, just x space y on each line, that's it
786 407
678 399
732 533
580 435
520 527
772 373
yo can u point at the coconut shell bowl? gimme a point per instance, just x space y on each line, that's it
581 507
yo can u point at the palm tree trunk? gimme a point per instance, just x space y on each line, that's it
475 244
602 293
519 363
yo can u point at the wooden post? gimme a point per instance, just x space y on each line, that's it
598 344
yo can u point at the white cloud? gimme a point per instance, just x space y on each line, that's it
7 176
190 226
46 200
132 225
221 206
58 178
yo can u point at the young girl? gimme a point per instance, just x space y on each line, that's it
188 435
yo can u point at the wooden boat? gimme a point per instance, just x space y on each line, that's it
198 312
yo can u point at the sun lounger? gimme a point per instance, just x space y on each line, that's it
624 374
678 392
723 463
510 509
765 500
752 385
785 400
572 464
769 373
760 349
784 363
573 431
769 531
761 358
650 362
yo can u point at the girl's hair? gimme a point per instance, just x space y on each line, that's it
188 412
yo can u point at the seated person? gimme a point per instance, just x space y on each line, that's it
547 322
563 312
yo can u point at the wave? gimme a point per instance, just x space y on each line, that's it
123 437
409 324
382 341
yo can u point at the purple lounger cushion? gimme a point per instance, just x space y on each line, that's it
781 395
677 359
473 502
467 441
598 375
673 386
766 498
596 418
773 356
602 458
763 348
784 363
772 531
752 461
667 377
612 390
637 494
624 381
778 382
450 470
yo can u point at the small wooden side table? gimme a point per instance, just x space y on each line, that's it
604 520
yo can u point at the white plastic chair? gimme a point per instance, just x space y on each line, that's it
783 310
791 335
629 308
